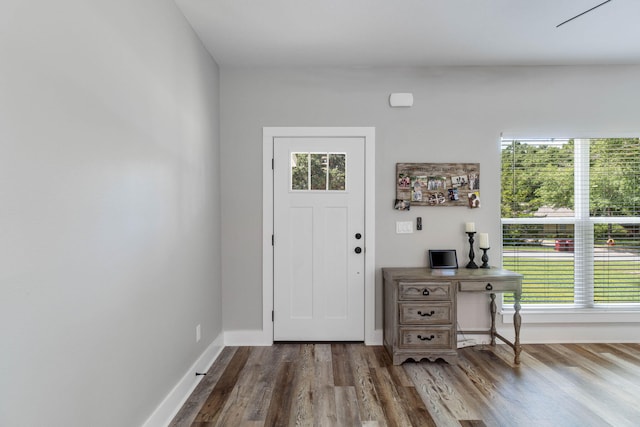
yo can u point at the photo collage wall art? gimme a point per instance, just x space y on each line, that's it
437 184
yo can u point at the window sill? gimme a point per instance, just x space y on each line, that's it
575 315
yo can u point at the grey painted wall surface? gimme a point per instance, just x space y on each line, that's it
110 224
458 115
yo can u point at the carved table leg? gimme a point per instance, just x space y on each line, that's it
492 308
517 321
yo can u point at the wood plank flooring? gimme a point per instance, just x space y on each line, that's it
345 384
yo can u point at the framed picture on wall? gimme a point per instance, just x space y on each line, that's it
438 184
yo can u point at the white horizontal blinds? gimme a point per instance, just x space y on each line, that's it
615 177
538 218
583 228
544 254
537 176
614 206
571 219
616 266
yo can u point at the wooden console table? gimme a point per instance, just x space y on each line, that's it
420 309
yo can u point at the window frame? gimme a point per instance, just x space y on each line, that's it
583 310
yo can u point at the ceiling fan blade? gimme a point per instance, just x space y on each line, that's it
586 11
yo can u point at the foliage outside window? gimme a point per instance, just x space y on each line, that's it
318 171
571 219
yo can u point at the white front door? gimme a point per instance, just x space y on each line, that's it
319 239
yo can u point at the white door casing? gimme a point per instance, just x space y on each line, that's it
373 336
319 239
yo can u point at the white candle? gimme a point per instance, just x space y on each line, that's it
483 240
470 227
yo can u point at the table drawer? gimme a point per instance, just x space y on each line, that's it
426 338
489 286
424 291
425 313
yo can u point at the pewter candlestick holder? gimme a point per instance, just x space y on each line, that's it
485 258
471 264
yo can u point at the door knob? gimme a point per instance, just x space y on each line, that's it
358 249
358 236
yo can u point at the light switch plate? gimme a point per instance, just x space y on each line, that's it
404 227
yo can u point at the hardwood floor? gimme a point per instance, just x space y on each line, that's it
355 385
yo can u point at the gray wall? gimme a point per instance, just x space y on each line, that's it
458 116
110 224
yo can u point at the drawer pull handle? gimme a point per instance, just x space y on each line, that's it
425 292
426 314
489 287
420 337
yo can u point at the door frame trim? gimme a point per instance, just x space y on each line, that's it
371 337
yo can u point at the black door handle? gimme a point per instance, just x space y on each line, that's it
358 249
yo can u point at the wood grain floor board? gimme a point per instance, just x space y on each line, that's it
414 407
192 406
605 373
302 384
224 387
363 359
342 372
627 351
302 408
279 411
599 401
241 401
347 413
630 370
463 400
566 401
382 357
322 387
600 379
627 356
555 403
478 373
472 423
388 397
322 352
433 391
260 386
324 399
481 393
271 360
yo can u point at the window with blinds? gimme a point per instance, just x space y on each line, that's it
571 219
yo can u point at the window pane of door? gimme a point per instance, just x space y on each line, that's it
299 171
318 171
337 171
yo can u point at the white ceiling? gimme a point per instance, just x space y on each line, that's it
375 33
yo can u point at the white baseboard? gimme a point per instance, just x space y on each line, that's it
247 338
471 339
375 338
576 333
171 404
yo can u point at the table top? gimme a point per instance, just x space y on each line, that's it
457 273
